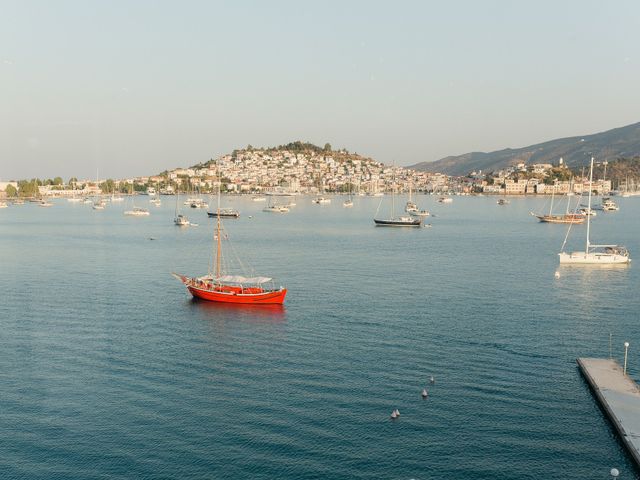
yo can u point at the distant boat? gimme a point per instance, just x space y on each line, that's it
45 203
445 200
181 221
588 211
321 200
594 254
3 205
259 199
99 205
220 286
503 201
393 220
276 209
225 212
609 205
348 203
137 212
88 201
570 218
74 199
18 201
199 204
410 206
421 213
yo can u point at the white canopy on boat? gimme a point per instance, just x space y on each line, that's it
241 279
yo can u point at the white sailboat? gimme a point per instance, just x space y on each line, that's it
594 254
348 203
136 211
179 219
411 206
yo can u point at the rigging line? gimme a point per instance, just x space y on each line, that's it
378 209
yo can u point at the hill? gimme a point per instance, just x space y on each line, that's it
576 152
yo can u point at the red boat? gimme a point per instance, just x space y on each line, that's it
220 287
234 289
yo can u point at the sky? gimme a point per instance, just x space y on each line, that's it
128 88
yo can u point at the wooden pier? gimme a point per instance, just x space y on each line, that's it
619 397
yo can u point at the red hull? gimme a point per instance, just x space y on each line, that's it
264 298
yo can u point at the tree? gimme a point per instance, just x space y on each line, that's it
11 191
108 186
28 188
58 181
327 147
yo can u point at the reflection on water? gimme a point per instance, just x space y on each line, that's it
263 314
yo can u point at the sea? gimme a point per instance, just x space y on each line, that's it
110 370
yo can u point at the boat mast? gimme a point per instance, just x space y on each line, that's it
217 238
393 192
553 192
589 205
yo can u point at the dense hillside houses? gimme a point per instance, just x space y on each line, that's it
302 168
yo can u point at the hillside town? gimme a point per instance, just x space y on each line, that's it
307 169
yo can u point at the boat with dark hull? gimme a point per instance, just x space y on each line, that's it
396 220
399 222
225 213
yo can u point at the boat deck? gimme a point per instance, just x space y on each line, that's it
618 396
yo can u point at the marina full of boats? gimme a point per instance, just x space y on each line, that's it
573 211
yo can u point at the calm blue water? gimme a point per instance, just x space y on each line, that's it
109 370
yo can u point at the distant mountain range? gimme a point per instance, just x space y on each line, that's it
576 151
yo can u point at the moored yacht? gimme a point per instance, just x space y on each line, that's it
181 221
609 205
276 209
594 254
137 212
225 212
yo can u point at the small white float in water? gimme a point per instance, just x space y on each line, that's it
424 394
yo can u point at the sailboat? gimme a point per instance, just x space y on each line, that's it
594 254
136 211
396 221
410 207
156 199
179 219
220 286
348 203
572 218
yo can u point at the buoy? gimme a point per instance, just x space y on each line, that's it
394 415
425 394
432 380
557 274
614 472
250 216
151 238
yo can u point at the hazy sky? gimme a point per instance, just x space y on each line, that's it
135 87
